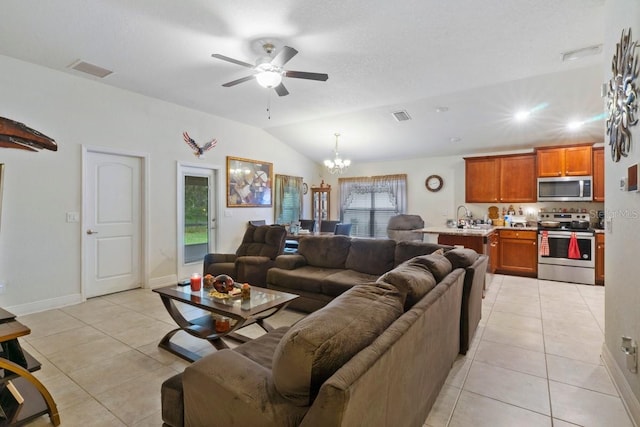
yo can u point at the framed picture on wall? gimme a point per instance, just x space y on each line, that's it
249 183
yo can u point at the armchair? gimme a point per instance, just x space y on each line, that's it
257 253
400 226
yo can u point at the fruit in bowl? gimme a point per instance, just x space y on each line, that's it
223 283
208 281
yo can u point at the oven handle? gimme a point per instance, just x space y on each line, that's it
567 235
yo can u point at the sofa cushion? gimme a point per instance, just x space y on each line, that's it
315 347
307 278
328 252
412 280
343 280
461 257
371 256
437 264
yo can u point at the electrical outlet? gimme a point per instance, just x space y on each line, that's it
228 213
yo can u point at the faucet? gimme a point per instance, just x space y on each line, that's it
466 215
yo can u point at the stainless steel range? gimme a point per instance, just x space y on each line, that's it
564 261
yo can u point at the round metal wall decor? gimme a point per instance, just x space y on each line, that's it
622 97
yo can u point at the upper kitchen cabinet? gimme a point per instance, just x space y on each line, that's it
564 161
598 174
481 179
500 179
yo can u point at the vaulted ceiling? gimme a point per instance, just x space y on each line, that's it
479 61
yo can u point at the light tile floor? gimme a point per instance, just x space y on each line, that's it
535 359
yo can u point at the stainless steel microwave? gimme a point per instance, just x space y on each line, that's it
565 189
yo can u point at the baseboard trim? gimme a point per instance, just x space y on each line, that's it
43 305
629 399
158 282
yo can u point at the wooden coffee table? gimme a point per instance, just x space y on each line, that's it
263 304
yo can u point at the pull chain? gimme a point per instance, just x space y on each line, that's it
269 105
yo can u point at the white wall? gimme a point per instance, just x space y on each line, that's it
39 251
622 242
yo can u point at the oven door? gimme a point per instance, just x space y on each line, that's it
559 249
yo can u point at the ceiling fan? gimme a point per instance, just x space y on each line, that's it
268 70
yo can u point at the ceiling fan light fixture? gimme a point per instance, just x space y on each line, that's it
269 79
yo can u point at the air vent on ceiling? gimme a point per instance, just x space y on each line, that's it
581 53
401 116
94 70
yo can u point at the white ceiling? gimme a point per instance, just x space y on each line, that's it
481 59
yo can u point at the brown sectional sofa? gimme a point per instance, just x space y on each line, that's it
376 355
326 266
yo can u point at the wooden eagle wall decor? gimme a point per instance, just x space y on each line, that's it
17 135
197 150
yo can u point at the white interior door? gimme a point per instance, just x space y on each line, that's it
112 221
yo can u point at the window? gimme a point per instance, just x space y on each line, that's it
368 202
288 199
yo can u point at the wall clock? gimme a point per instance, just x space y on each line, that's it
433 183
305 188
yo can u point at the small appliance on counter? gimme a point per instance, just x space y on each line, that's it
518 221
600 223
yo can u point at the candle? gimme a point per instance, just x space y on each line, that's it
196 282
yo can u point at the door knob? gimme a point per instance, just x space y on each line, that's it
90 231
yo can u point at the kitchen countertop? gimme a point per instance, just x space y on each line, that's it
481 232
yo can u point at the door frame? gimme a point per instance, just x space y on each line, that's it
213 202
144 210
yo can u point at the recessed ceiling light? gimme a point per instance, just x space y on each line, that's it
574 125
455 139
572 55
522 115
442 109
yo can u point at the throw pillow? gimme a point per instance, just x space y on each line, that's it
413 281
318 345
437 264
461 257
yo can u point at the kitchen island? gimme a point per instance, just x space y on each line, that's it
486 241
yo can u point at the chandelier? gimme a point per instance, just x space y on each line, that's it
337 165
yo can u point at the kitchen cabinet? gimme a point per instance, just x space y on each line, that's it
471 242
500 179
598 174
518 253
599 258
564 161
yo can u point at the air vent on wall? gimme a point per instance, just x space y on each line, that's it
94 70
401 115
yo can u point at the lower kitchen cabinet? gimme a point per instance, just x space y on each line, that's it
471 242
518 253
599 259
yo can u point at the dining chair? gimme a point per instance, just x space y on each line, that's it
343 229
307 224
328 226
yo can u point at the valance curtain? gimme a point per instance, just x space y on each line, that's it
369 202
288 199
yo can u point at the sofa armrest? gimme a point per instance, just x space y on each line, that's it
226 388
217 258
253 269
290 262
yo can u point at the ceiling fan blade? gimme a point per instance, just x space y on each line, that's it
304 75
281 90
242 80
284 56
234 61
